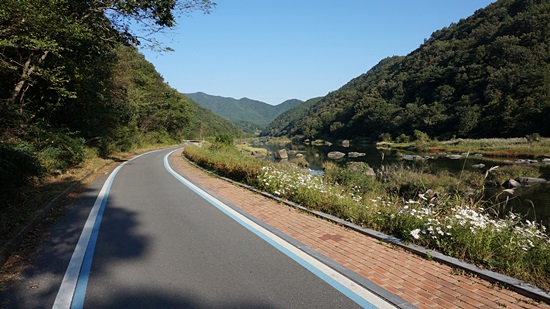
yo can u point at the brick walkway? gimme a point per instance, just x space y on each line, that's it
424 283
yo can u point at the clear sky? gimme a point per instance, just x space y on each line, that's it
274 50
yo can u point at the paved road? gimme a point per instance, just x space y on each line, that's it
162 243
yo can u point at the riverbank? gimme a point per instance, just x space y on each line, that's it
495 147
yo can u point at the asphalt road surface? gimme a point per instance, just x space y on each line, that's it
152 240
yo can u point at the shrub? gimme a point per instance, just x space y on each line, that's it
224 138
353 176
409 182
402 138
62 151
535 137
385 137
506 172
18 165
421 137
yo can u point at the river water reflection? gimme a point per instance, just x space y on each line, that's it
533 202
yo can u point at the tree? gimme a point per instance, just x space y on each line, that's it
59 74
34 31
151 16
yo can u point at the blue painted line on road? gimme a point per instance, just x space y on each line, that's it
337 285
82 284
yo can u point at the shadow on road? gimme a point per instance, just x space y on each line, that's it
38 282
160 299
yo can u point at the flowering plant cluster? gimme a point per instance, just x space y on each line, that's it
464 218
455 226
287 182
310 190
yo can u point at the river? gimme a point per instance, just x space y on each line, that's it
532 202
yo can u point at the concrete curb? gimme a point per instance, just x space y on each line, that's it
511 283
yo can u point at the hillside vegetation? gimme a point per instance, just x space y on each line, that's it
485 76
286 123
249 115
72 86
161 111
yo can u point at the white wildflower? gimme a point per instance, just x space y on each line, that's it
414 233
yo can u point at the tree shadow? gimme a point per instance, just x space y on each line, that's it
49 248
160 299
20 204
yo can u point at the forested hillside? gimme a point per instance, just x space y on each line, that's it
159 111
72 84
485 76
287 122
249 115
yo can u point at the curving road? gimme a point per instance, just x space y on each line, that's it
151 239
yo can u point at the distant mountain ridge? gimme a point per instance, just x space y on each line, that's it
248 114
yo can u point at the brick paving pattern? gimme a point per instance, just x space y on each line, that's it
422 282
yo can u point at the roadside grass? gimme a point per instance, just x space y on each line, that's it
433 211
226 161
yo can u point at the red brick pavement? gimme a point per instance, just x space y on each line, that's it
422 282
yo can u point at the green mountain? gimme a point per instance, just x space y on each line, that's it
250 115
205 122
287 122
485 76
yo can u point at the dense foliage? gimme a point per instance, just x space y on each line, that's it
71 83
249 115
485 76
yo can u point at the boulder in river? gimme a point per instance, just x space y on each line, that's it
526 161
409 157
280 154
336 155
511 183
454 156
527 181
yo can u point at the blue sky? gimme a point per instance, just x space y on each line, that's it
274 50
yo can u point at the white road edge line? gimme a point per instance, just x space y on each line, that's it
67 289
370 298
